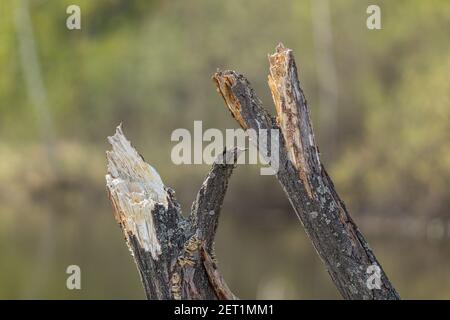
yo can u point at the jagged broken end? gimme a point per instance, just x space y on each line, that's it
136 192
292 112
278 70
224 81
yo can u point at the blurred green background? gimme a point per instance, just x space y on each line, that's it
379 102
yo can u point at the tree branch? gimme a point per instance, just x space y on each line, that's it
206 207
166 247
220 287
341 246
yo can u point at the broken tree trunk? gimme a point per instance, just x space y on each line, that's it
341 246
174 255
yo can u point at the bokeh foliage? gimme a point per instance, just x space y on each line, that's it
148 64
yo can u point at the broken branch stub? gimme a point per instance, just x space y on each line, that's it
173 254
293 116
336 238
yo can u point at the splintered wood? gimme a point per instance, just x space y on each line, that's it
135 188
293 115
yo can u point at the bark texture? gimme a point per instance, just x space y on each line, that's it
338 241
174 255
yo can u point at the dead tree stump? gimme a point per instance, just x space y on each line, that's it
175 255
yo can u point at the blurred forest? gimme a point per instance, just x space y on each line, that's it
379 101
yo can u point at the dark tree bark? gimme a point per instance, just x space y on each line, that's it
336 238
174 255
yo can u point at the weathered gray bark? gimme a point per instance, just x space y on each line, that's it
339 243
174 255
